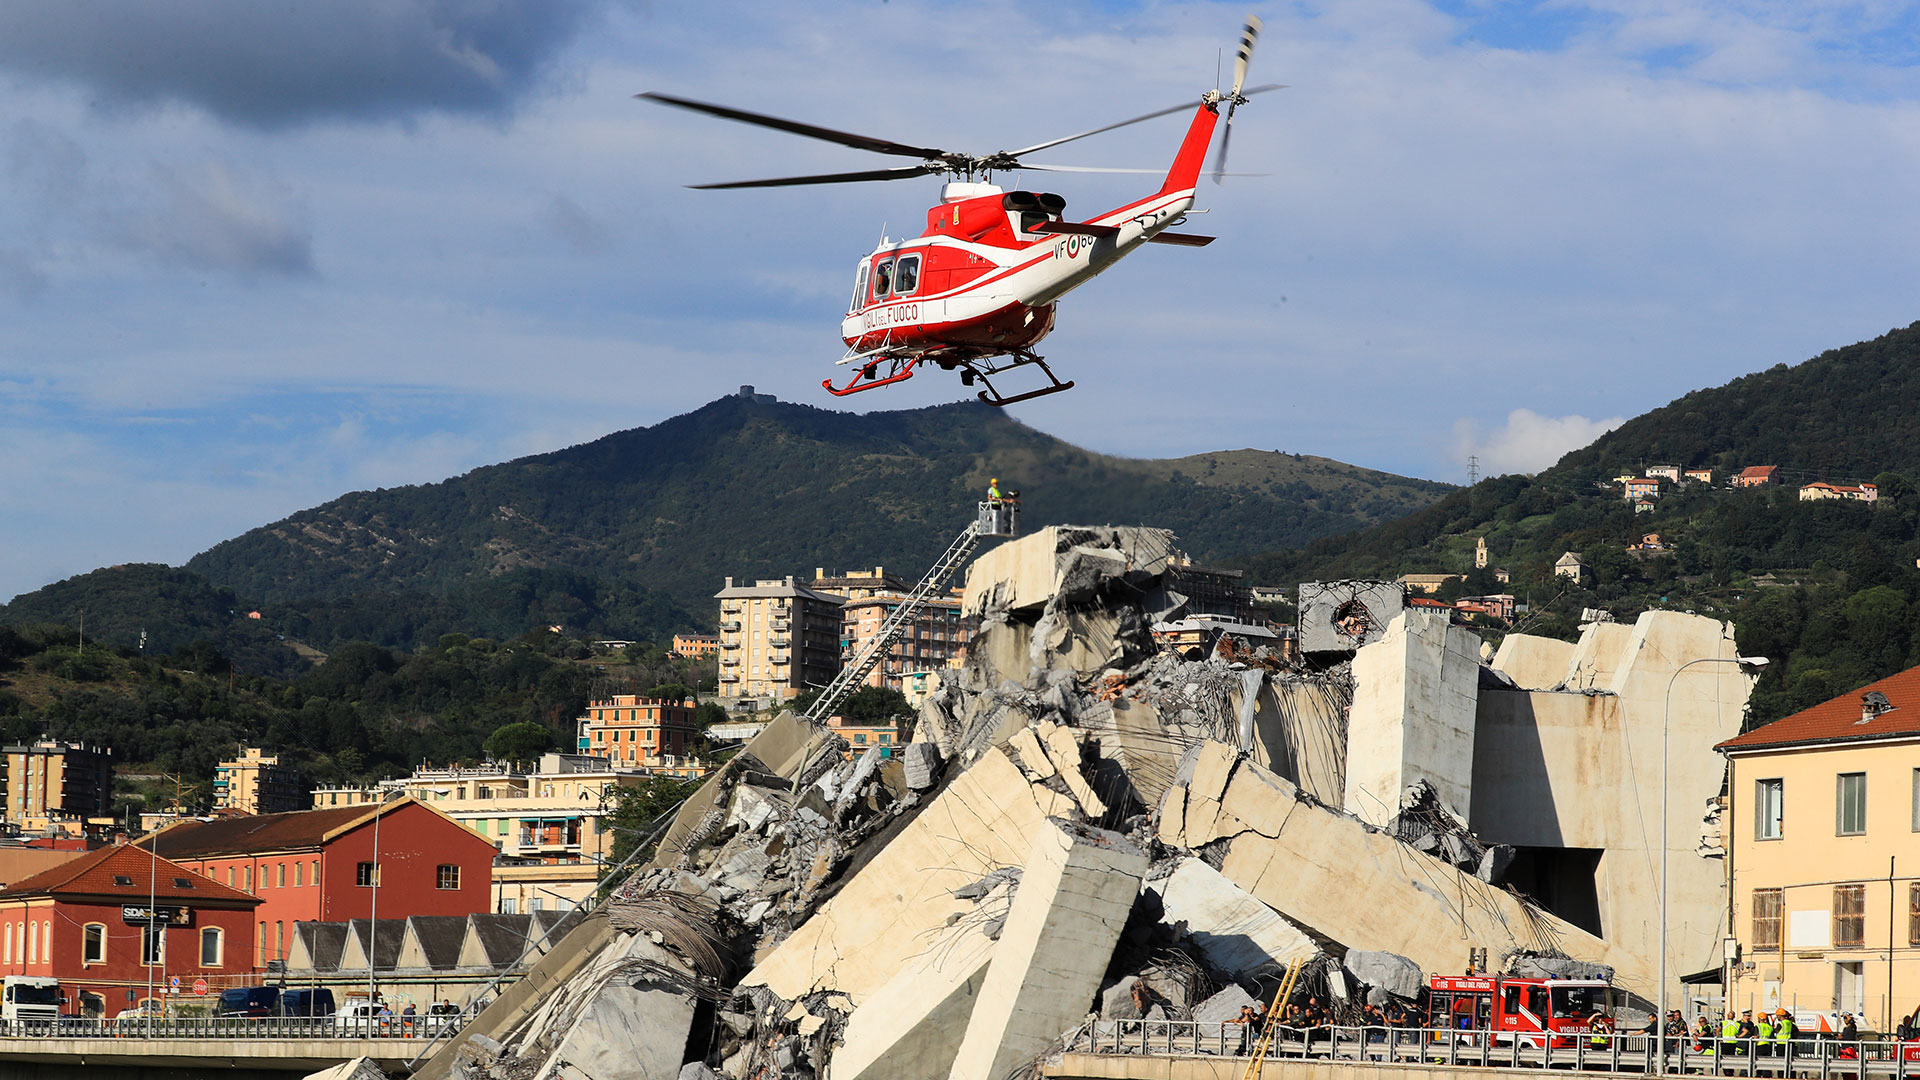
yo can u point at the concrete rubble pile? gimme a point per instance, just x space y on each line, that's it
1085 830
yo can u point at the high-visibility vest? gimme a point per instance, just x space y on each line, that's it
1766 1030
1730 1034
1783 1031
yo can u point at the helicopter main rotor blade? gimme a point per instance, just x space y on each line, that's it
1136 120
903 172
844 138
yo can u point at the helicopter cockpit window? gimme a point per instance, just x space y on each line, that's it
882 279
906 275
859 288
1033 219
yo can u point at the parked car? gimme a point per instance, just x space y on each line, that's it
441 1016
249 1001
317 1001
146 1010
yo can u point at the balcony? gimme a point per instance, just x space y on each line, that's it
730 661
731 625
729 644
779 661
779 642
728 676
779 624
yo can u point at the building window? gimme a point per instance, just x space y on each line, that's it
1850 817
280 941
446 876
1916 800
249 877
363 874
299 874
153 945
316 871
212 946
1768 802
1766 918
509 905
280 876
230 877
1913 914
1849 916
93 946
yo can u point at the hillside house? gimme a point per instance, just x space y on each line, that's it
1571 566
1818 490
1756 476
1664 472
1641 487
1498 605
1428 584
1704 476
1642 506
1649 542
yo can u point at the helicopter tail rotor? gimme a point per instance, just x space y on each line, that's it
1249 34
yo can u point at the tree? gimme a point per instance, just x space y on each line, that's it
637 812
523 741
668 692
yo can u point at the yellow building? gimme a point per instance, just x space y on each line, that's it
777 638
255 783
54 782
1823 860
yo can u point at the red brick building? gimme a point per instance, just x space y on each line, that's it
319 866
85 922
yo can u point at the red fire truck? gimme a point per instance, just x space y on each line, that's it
1509 1007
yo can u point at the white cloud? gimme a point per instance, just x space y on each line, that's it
1527 442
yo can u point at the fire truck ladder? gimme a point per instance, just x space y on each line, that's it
1280 997
996 518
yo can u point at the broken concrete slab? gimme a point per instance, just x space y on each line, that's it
1034 760
912 1026
360 1068
1413 715
1076 889
1341 881
922 761
1025 574
1238 934
1387 971
1063 746
1224 1006
863 935
1534 663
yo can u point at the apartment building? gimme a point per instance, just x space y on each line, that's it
54 783
778 638
1821 831
633 732
256 783
696 645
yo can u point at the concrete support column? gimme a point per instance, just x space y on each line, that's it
1415 692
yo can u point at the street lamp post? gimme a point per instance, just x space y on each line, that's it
1750 664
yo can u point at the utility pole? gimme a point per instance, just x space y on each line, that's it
1473 469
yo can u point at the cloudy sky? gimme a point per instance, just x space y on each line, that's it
255 254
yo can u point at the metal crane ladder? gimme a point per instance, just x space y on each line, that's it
996 518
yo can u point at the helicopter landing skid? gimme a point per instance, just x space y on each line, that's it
981 369
876 372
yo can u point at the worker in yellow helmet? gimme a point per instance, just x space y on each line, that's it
993 490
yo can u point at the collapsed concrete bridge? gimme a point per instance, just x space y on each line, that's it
1087 828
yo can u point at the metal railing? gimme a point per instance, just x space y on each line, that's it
397 1026
1803 1057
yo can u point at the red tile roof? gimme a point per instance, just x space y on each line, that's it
1838 720
299 830
130 874
1758 472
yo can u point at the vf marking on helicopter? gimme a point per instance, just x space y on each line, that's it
976 291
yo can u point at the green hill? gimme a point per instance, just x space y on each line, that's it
1828 590
755 488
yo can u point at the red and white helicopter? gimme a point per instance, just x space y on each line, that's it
976 291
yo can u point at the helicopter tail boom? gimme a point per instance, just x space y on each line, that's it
1185 174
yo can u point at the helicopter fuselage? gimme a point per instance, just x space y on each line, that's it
983 279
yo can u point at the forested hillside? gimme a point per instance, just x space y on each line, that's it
1828 590
752 488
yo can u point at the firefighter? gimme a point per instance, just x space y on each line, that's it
1783 1031
1763 1034
1599 1026
993 491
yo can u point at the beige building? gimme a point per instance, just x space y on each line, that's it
49 783
635 732
1823 827
777 639
547 825
936 638
255 783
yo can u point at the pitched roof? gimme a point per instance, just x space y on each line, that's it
324 942
501 939
127 873
439 938
294 831
1755 472
1838 720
